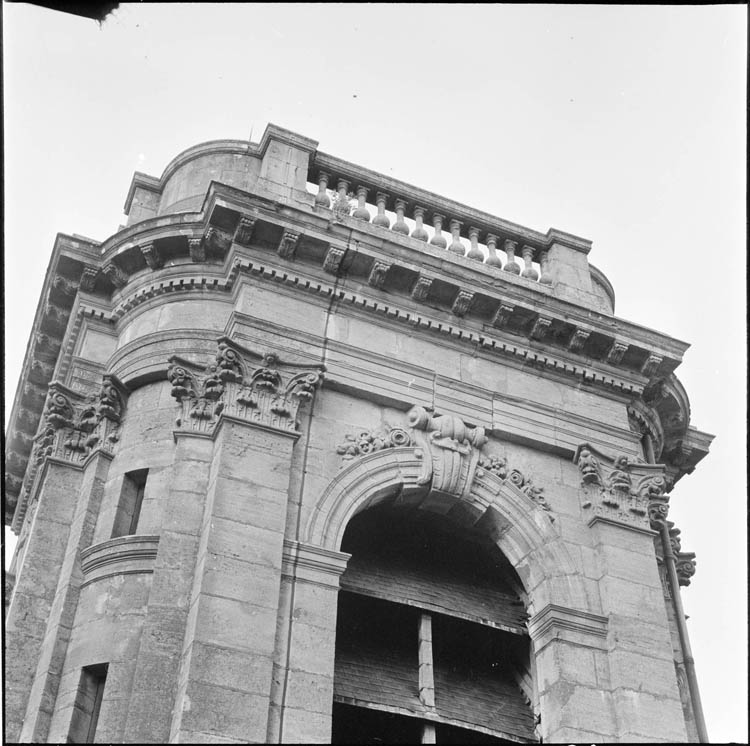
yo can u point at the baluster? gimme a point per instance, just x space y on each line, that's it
529 272
510 249
381 218
400 226
322 198
493 260
419 231
546 278
438 239
341 205
361 212
456 246
474 251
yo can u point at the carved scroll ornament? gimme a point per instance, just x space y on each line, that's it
270 393
451 451
619 489
73 426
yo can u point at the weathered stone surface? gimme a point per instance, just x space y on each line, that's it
221 626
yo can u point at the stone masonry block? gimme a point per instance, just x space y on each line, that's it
633 634
316 604
312 648
609 535
643 673
309 691
194 736
225 712
301 726
233 624
255 455
650 718
240 541
250 503
568 662
639 600
182 513
190 448
247 672
634 567
28 616
570 706
233 578
173 584
176 551
190 476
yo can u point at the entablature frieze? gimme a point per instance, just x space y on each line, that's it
227 210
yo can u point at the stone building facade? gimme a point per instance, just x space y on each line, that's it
305 453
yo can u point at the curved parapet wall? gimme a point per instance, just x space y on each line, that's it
602 288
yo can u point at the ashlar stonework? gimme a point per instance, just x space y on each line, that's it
304 453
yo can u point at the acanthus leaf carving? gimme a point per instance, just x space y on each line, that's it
378 273
421 288
244 231
462 302
621 490
88 278
288 244
151 255
270 394
217 239
115 275
74 424
451 450
333 259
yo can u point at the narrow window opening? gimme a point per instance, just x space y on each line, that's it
88 704
129 506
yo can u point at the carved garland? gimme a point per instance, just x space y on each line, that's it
451 451
270 394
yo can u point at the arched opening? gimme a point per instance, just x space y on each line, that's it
431 642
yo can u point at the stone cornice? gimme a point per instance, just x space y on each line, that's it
491 284
125 555
581 628
313 564
70 254
421 258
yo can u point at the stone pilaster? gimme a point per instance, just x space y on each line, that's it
155 678
227 657
617 496
38 577
570 652
644 684
42 723
306 634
